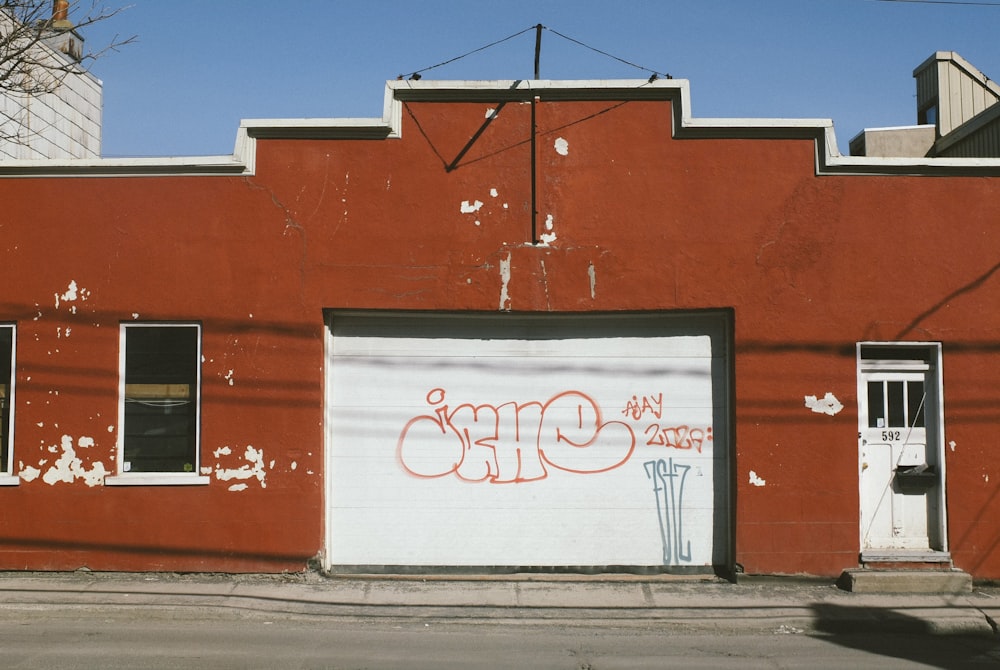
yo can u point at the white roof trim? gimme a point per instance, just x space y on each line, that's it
243 161
122 167
886 128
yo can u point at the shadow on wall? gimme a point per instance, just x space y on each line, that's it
895 634
98 555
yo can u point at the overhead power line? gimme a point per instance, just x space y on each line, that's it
980 3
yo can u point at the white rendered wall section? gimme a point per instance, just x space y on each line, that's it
63 124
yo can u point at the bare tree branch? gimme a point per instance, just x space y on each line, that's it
41 44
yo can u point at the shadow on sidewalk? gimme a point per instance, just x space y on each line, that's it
895 634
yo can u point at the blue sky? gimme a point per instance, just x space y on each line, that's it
199 66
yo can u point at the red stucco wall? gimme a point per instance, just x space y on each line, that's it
810 264
208 250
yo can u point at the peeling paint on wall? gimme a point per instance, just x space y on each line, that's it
253 469
755 480
592 273
471 207
951 445
562 146
828 404
69 467
548 237
69 295
28 473
73 292
505 280
228 377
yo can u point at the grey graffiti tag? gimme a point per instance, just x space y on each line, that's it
668 488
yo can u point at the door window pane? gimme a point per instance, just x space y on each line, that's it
897 413
915 402
876 405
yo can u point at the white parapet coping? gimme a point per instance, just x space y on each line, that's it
123 167
828 159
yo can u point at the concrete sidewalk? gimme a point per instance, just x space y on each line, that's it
753 605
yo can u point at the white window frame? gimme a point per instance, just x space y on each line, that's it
7 477
123 478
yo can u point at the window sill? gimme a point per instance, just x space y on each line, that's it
9 480
157 479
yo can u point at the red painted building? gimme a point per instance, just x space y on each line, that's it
533 325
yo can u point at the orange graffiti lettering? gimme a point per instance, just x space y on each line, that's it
513 442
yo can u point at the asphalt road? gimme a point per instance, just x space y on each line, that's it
191 637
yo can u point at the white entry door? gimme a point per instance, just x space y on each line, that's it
893 455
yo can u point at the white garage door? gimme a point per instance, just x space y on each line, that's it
527 441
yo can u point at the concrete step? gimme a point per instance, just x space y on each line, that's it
866 580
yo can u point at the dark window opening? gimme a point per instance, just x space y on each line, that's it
6 388
161 399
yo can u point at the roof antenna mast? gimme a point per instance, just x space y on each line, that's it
534 142
538 47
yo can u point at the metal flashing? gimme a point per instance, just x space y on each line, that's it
334 129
